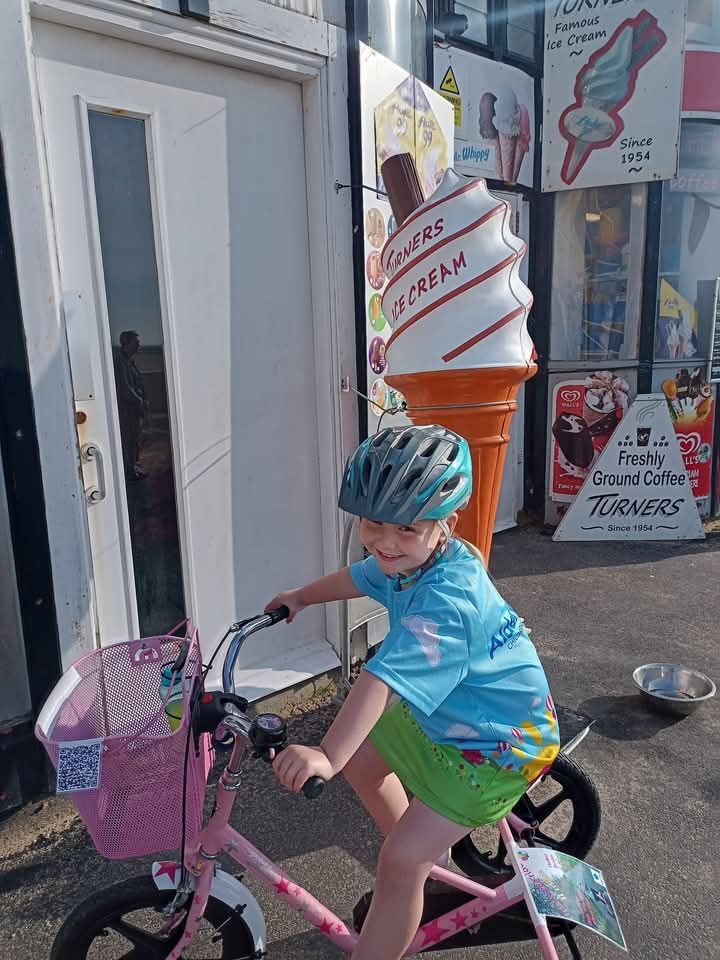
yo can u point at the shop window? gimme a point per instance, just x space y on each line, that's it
703 22
477 14
597 273
689 241
520 28
508 26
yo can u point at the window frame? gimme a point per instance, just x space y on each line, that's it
496 47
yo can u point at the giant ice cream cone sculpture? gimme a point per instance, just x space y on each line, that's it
460 349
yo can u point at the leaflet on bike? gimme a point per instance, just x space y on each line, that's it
562 886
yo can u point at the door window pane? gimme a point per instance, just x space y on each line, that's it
124 212
689 243
597 273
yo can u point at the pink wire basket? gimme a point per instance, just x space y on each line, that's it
107 733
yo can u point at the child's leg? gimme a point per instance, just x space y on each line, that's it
377 787
406 859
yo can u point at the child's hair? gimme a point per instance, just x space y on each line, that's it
472 548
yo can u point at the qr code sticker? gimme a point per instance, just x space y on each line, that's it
79 765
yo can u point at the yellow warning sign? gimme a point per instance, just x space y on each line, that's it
456 105
449 83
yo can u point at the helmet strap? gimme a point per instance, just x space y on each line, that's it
408 580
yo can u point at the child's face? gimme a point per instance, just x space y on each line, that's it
402 549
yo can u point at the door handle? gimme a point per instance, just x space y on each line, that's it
91 453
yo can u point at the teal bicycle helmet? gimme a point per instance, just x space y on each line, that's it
406 474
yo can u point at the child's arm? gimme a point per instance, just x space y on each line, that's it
358 715
335 586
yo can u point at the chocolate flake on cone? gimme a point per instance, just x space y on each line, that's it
402 184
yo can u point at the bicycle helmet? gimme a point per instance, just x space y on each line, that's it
406 474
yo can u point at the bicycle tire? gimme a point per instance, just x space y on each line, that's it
577 788
93 918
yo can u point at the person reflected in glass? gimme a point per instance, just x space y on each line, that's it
132 404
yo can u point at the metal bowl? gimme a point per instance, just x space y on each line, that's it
673 688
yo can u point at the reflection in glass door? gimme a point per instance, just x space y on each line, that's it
127 241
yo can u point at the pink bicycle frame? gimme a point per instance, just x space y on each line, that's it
219 837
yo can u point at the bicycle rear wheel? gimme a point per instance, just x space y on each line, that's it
564 803
125 922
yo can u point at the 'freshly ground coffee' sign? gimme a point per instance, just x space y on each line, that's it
638 489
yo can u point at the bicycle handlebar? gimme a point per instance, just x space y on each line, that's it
244 630
315 785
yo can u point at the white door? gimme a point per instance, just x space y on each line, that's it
512 492
179 196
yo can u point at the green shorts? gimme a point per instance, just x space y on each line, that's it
470 794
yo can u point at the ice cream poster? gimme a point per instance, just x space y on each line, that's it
612 92
691 405
399 114
585 414
570 889
494 115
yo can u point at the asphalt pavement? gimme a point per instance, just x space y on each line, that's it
596 611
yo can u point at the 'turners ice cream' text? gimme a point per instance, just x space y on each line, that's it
398 257
435 277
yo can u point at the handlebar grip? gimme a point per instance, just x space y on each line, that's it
281 613
313 788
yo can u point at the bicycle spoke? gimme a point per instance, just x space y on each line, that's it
543 810
149 943
544 840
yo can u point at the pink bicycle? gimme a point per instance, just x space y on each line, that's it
193 908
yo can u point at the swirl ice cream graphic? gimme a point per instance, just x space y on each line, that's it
603 87
460 348
505 124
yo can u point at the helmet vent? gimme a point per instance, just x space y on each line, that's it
366 471
412 478
428 449
383 475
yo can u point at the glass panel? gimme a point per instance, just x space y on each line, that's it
398 30
521 28
689 242
476 12
597 273
703 22
124 211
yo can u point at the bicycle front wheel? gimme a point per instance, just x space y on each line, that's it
126 921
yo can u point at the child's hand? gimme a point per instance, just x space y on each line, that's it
295 765
291 599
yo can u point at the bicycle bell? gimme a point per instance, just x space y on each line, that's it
268 731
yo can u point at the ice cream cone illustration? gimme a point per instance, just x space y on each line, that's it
603 87
460 349
522 143
507 121
488 130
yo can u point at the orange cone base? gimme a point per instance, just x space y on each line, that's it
477 404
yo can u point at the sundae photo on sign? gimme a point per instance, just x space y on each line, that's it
584 418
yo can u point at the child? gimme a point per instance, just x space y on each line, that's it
475 723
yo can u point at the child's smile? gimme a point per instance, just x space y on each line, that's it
400 549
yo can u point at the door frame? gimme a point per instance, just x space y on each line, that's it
306 51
